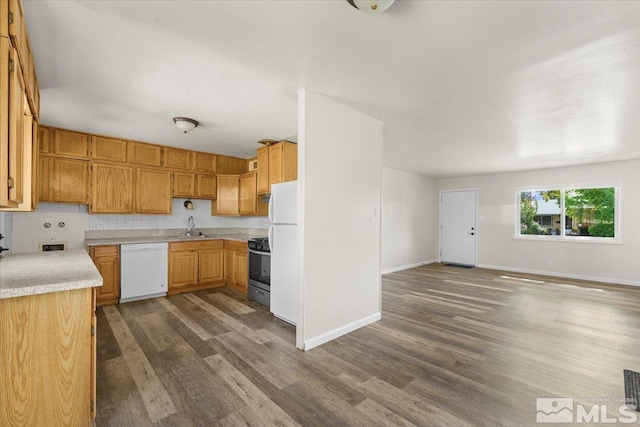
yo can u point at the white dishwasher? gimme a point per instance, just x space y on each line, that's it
143 270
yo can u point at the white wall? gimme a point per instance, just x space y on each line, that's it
497 248
409 220
340 164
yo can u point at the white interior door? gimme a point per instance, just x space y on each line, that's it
458 227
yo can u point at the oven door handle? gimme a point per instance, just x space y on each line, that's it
251 251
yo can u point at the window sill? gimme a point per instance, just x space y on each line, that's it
571 239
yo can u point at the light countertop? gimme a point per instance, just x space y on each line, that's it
160 239
45 272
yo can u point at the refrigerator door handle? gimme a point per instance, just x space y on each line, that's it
271 201
270 237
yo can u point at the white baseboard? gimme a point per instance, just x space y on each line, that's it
565 275
408 266
338 332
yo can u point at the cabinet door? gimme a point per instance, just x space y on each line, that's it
15 181
204 162
211 267
145 154
184 184
153 191
263 171
44 179
44 140
241 274
111 189
275 163
183 269
4 121
70 144
228 195
229 266
109 149
109 269
70 181
248 195
175 158
206 187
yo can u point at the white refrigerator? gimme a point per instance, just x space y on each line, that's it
283 243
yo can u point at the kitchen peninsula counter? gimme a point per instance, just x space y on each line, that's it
46 272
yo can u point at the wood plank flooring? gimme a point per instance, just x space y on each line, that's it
455 347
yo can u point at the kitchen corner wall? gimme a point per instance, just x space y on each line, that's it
27 229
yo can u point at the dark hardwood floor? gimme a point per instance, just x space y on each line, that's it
454 347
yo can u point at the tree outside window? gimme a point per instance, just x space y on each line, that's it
586 212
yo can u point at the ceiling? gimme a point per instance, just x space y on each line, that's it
462 87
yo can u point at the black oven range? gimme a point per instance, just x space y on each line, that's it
259 271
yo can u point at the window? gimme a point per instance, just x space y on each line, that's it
572 213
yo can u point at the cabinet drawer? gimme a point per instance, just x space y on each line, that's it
236 245
111 250
195 246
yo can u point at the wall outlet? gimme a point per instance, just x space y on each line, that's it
550 262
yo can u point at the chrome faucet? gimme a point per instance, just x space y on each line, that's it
190 224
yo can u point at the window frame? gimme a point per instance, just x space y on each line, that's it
562 237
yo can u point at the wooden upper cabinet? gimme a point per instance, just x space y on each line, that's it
204 162
263 171
228 199
4 19
184 184
108 149
14 180
175 158
45 194
44 139
206 187
70 144
145 154
283 162
230 165
111 188
248 195
69 180
153 191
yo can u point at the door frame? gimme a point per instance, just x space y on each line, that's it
475 222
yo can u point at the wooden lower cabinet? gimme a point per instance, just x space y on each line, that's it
107 261
47 362
195 265
236 265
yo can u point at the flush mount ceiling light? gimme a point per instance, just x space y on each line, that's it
185 124
371 6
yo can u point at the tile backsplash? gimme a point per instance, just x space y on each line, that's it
25 229
201 214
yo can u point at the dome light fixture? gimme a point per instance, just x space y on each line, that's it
185 124
371 6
